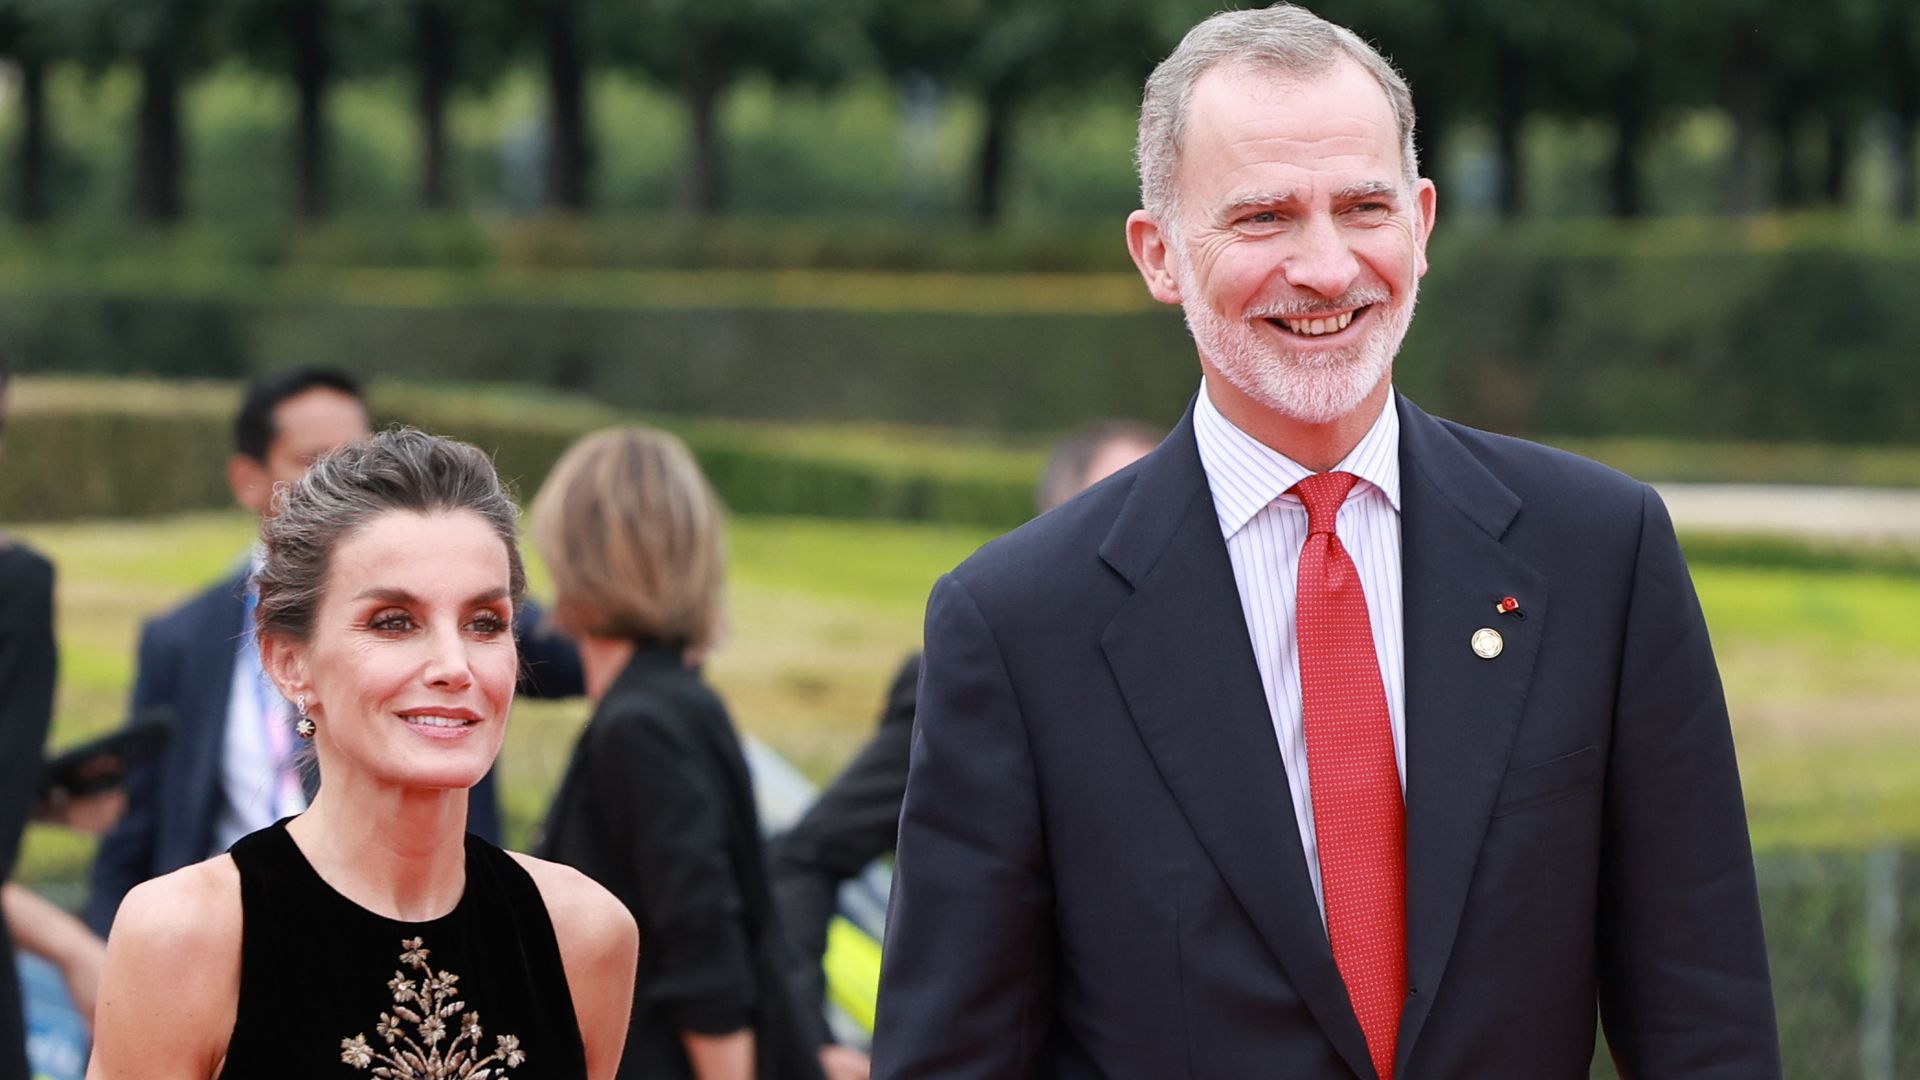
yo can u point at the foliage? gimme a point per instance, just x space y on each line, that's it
1759 334
80 449
1797 83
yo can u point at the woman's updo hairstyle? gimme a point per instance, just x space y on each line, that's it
398 469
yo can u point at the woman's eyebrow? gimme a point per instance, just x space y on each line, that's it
401 596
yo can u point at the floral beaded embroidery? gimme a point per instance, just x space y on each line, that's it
428 1001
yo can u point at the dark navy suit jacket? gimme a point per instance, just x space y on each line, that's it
28 662
1099 874
186 666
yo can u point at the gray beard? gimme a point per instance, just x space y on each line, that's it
1311 388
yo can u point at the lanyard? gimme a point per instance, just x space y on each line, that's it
275 722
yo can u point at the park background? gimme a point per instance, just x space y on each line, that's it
866 257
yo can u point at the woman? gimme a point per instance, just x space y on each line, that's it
371 932
657 804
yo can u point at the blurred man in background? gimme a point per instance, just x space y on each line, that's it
230 767
27 667
857 818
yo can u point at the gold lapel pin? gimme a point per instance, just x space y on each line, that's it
1487 643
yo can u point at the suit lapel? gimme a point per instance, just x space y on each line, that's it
209 661
1180 653
1462 711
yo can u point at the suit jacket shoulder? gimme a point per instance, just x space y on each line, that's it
1547 477
188 624
1048 566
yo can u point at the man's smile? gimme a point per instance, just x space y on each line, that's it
1318 324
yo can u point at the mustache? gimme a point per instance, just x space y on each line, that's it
1316 309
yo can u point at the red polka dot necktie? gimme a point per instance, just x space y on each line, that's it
1359 818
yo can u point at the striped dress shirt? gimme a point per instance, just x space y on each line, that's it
1265 528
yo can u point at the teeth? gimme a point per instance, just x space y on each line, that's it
1316 327
436 721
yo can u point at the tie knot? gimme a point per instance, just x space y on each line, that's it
1323 493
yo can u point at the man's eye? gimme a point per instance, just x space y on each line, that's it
1262 217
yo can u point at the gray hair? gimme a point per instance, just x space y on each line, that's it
1285 39
400 469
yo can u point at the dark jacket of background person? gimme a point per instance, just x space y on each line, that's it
186 664
855 821
1100 872
27 669
657 805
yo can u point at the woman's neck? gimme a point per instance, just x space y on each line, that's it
601 661
398 852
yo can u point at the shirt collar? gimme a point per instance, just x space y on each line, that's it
1247 476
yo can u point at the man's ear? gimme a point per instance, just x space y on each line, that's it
1426 200
1148 243
252 486
285 662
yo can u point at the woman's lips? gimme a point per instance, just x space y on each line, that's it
441 723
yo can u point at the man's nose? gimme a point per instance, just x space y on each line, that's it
1323 261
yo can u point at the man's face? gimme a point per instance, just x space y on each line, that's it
306 426
1298 245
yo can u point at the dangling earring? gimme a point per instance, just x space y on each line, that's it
303 727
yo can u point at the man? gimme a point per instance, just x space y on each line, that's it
856 819
27 666
230 766
1331 739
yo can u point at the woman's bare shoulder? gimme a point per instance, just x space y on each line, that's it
171 986
600 948
192 910
580 907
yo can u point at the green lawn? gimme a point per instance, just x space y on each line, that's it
1822 667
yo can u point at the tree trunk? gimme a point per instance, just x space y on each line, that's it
990 177
1905 103
569 155
32 152
703 192
156 153
1429 136
307 28
1746 106
1839 159
1789 189
1630 132
433 64
1510 117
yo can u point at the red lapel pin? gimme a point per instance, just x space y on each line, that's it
1508 605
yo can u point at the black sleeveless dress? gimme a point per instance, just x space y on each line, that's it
331 991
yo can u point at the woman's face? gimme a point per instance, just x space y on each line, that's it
410 669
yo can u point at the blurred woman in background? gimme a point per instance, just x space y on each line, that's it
372 932
657 804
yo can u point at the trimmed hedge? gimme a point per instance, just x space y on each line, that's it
1558 332
79 449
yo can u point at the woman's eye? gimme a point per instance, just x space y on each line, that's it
488 623
391 622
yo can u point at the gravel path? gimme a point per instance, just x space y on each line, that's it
1882 515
